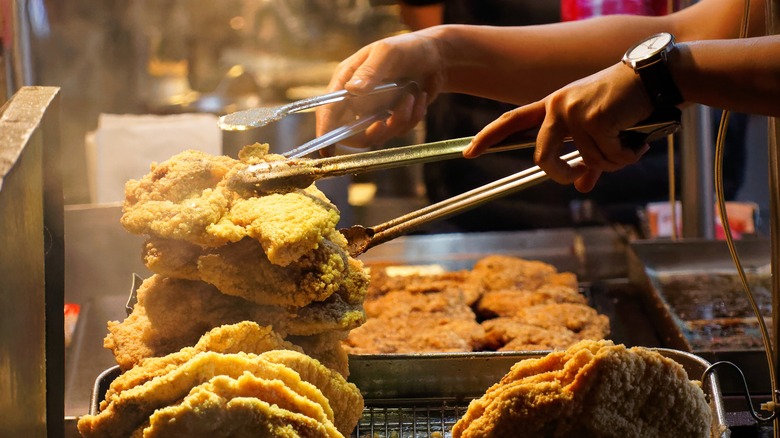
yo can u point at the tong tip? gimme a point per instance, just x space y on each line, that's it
248 119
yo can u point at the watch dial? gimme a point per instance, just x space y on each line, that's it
650 46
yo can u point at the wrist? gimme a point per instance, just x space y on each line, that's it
650 59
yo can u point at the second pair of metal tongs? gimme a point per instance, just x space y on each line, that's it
261 116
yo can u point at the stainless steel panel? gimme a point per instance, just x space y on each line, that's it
31 326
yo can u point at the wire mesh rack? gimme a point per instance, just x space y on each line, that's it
410 419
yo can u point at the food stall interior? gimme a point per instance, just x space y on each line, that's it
174 58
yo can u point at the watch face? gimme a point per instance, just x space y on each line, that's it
649 47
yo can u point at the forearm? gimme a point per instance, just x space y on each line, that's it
745 74
533 61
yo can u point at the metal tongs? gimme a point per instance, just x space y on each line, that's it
257 117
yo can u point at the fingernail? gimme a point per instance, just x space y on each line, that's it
356 82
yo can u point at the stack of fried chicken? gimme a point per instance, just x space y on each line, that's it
222 257
239 380
594 389
503 303
267 276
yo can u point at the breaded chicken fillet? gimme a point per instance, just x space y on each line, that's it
594 389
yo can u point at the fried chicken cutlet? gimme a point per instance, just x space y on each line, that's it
509 302
404 322
595 389
187 198
242 269
208 382
172 314
498 272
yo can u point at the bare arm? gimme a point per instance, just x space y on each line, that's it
533 61
514 64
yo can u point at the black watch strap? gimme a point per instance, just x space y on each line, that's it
660 85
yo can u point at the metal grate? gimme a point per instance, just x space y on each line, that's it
411 419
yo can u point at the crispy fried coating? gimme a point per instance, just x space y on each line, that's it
243 337
242 269
287 226
508 302
227 407
382 283
415 334
511 334
504 272
596 389
581 319
172 314
129 408
179 198
326 348
404 322
344 397
187 198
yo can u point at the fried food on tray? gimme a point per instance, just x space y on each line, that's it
221 257
404 322
344 398
171 314
186 392
508 302
581 319
521 305
241 407
382 283
243 337
505 272
595 389
512 334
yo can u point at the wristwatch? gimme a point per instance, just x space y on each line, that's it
649 60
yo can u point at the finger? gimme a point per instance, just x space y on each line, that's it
549 146
587 181
516 120
374 69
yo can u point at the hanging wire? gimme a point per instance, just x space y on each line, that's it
710 369
721 202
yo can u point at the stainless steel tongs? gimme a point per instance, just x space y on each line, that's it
257 117
361 238
285 176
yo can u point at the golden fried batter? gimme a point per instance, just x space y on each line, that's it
508 302
187 198
287 226
172 314
595 389
344 397
179 198
382 283
126 410
242 407
244 337
511 334
505 272
242 269
581 319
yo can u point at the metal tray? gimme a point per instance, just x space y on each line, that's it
424 395
679 281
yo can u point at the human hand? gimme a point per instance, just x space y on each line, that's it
414 57
592 111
